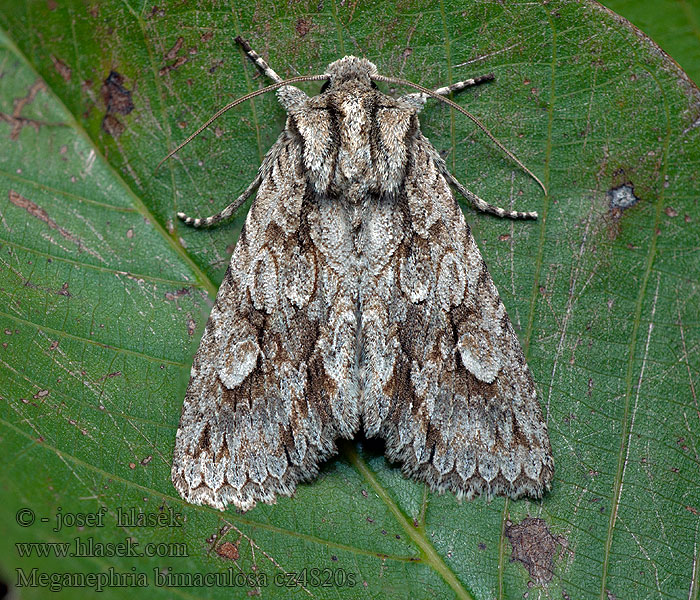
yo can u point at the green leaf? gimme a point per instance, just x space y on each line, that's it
104 296
673 24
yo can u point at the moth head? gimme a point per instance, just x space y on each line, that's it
350 69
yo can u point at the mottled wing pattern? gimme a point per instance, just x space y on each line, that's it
446 382
273 383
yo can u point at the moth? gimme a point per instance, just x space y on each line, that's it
356 297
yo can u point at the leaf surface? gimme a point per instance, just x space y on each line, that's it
104 296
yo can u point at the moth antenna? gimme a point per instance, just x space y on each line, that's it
236 102
465 112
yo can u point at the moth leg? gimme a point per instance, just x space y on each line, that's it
448 89
224 214
484 206
288 95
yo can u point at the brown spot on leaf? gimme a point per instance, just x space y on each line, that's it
16 120
191 326
116 97
176 294
146 460
112 126
63 69
228 550
36 211
670 211
215 65
110 375
534 546
303 26
179 61
172 53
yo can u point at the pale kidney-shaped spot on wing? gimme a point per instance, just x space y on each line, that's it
236 364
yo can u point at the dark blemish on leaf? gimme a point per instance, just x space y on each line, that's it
16 120
116 97
206 36
303 26
94 11
36 211
172 53
482 546
132 465
112 126
693 510
215 65
228 551
179 61
53 345
146 460
334 558
610 595
504 237
64 290
191 326
622 197
63 69
177 294
671 212
534 546
110 375
364 493
41 394
51 5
